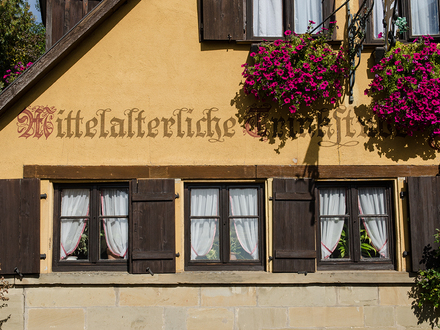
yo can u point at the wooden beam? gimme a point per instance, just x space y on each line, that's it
224 172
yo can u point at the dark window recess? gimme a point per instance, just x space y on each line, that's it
91 227
294 247
424 218
355 226
239 20
224 227
20 226
152 226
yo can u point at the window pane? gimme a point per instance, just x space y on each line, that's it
374 231
335 242
305 11
378 18
114 231
244 239
268 18
374 242
204 239
74 230
243 202
204 202
424 17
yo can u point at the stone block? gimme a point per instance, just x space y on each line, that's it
296 296
261 318
70 297
175 318
395 295
133 318
179 296
407 318
379 316
229 296
210 318
14 308
326 317
55 318
359 296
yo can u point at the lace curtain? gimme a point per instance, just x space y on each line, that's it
305 11
424 17
268 18
115 202
74 203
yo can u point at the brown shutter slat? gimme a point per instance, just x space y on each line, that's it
152 226
222 19
293 225
424 214
20 226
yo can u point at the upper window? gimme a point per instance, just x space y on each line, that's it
259 19
224 227
91 226
355 227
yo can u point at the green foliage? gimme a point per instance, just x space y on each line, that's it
21 38
428 281
367 248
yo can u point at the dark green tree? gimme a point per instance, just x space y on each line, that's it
22 39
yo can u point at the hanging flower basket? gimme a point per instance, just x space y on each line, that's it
406 88
296 71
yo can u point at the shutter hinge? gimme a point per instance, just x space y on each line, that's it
270 258
304 272
405 254
17 271
149 271
270 198
43 256
177 195
402 194
43 196
178 254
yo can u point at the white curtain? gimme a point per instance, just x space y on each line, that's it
115 202
305 11
244 202
268 18
204 202
424 17
378 18
372 202
74 203
332 202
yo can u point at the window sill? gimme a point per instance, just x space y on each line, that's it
220 278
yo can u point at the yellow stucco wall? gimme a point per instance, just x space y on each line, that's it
147 57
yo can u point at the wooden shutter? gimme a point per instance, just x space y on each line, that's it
221 19
20 226
424 215
152 226
294 245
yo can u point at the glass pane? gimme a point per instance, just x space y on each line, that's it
113 236
378 18
243 202
204 202
74 246
332 201
424 17
306 11
114 231
374 237
73 230
205 239
268 18
243 239
372 200
335 243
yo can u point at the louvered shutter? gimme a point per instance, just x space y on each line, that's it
221 19
424 215
294 246
20 226
152 226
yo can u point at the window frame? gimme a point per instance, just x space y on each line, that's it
224 264
355 262
94 263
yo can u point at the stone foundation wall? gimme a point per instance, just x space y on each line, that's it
211 307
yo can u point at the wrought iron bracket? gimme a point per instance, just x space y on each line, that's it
357 31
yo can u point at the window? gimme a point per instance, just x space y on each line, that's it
259 19
355 227
224 227
91 226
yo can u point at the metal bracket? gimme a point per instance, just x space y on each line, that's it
17 271
43 196
149 271
43 256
